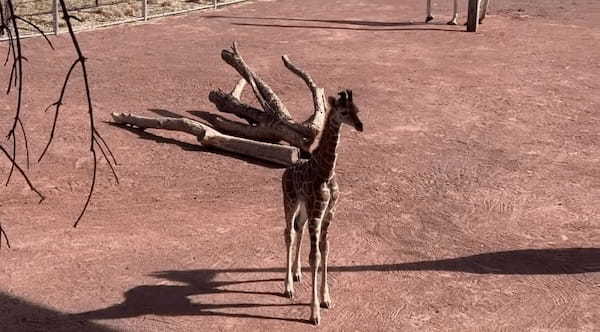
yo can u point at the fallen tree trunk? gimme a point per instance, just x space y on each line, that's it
207 136
262 128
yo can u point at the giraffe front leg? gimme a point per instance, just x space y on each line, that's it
327 219
314 228
429 16
454 20
325 297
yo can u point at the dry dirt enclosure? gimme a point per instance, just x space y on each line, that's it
470 202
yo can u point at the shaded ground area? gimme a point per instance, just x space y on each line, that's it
469 202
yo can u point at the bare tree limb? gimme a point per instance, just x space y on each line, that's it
177 124
280 154
317 120
228 103
238 89
263 92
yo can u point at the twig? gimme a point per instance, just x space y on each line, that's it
3 233
17 71
57 106
20 170
36 28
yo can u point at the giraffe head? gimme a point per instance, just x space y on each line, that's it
344 110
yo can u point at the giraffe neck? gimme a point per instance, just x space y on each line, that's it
324 156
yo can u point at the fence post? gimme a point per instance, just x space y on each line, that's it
145 9
214 4
473 18
55 16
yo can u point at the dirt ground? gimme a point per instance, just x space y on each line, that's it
470 202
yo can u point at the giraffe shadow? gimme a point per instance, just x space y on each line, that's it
19 314
173 300
356 25
146 135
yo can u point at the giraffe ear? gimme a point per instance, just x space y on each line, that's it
332 101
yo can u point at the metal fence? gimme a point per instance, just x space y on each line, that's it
91 14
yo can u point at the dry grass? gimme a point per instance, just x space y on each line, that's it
97 12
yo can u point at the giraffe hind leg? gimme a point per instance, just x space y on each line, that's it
299 225
314 228
454 20
317 211
484 6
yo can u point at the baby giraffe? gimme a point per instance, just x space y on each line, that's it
310 193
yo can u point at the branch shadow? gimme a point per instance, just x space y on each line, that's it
172 300
21 315
145 135
374 25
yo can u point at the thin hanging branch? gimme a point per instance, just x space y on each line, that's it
9 19
20 170
16 73
57 106
8 26
95 138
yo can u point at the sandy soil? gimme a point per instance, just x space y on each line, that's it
470 202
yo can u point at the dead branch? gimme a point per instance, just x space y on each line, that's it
316 121
273 122
263 127
207 136
238 89
269 101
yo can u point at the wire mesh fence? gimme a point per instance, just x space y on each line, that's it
46 14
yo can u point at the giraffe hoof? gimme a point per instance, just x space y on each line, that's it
453 22
316 320
429 18
297 277
326 304
289 294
